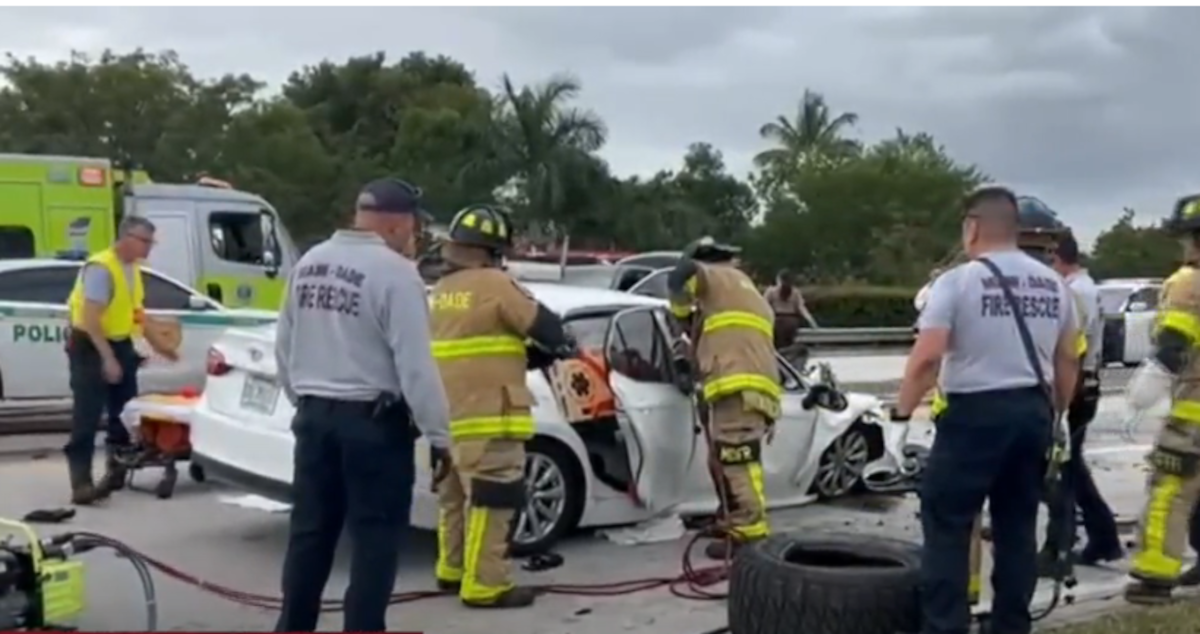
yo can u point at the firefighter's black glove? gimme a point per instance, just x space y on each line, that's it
537 358
569 349
439 464
684 373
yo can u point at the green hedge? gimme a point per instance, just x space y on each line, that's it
861 306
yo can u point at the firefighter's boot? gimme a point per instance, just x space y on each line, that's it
514 597
83 491
1143 592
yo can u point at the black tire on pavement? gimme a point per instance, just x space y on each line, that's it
826 584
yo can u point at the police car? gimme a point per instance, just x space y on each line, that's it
617 440
1128 307
34 321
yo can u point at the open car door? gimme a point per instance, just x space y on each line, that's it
655 417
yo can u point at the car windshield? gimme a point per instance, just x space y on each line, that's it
1111 299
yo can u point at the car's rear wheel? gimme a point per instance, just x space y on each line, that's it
840 468
554 497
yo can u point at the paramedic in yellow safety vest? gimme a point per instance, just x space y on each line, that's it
1172 371
741 390
481 317
106 314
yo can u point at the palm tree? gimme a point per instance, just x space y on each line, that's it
544 143
814 131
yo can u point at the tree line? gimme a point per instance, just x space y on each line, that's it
830 207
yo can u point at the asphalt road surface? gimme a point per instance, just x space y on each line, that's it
243 548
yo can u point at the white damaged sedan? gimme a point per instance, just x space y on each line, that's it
617 442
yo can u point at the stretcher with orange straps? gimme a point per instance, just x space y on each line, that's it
161 426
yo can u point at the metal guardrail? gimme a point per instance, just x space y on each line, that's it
855 336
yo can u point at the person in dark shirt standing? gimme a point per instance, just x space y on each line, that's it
790 310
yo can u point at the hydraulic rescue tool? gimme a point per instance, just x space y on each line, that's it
42 583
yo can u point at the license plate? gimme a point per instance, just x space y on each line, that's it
260 395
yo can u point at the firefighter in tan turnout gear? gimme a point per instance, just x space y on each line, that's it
1173 370
481 319
732 325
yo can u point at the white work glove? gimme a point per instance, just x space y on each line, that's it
1150 384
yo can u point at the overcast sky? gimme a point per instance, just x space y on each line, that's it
1090 109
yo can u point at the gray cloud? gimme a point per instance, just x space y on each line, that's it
1091 108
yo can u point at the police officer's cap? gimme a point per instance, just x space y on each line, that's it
484 226
707 249
392 196
1185 218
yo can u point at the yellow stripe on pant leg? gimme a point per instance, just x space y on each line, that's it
476 525
974 587
975 561
471 589
759 528
445 571
1151 558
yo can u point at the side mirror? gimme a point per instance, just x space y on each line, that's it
195 302
1137 307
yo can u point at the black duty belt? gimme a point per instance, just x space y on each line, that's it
380 408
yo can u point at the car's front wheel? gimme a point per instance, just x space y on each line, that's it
841 466
554 497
